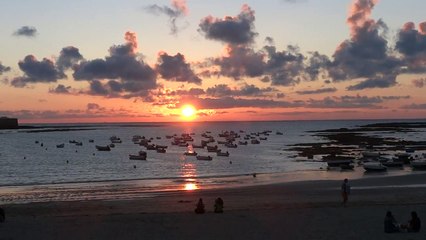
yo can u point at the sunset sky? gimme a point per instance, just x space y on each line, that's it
131 61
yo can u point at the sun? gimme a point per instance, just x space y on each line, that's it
188 112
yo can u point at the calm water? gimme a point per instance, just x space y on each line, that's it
25 163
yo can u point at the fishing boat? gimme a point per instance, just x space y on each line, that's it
103 148
161 150
374 167
204 158
60 145
222 154
137 157
418 164
188 153
339 163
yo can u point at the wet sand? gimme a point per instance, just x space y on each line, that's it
296 210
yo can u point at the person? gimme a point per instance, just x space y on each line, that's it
345 189
200 207
390 223
2 215
218 205
414 223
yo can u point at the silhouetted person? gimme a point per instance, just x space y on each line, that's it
2 215
200 207
218 205
391 225
346 190
414 223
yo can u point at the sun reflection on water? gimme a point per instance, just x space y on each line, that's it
189 173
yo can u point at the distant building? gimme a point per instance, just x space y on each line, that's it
8 123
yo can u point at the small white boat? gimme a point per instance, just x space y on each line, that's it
374 166
204 158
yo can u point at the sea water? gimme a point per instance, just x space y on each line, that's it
30 159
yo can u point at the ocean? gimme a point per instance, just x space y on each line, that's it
34 169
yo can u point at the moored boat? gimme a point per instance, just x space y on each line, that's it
222 154
103 148
374 167
418 164
137 157
204 158
338 163
62 145
187 153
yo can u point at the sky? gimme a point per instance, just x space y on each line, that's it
142 61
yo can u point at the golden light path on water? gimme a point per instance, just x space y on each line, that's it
189 172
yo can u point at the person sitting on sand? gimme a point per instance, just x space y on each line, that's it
391 225
218 205
414 223
200 207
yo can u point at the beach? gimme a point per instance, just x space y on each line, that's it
289 210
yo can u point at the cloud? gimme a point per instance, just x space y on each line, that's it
26 31
317 91
415 106
240 61
178 10
35 71
3 69
411 43
61 89
222 90
231 30
419 83
379 82
68 57
346 102
230 102
366 53
124 70
175 68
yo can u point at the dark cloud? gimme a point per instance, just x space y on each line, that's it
317 91
284 67
240 61
68 57
222 90
3 69
232 30
366 53
230 102
190 92
94 106
346 102
415 106
26 31
36 71
127 73
395 97
61 89
175 68
419 83
410 40
178 10
379 82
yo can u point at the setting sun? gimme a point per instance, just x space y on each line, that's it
188 112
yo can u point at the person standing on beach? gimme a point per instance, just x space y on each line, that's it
345 189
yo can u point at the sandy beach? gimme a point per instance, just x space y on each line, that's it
296 210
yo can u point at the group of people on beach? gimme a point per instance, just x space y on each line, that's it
218 206
392 226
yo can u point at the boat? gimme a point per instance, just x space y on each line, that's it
137 157
204 158
161 150
197 146
374 167
279 133
60 145
242 143
91 140
418 164
231 145
116 140
339 163
187 153
212 148
142 153
347 166
222 154
255 141
103 148
393 163
370 154
79 143
150 147
263 138
112 145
